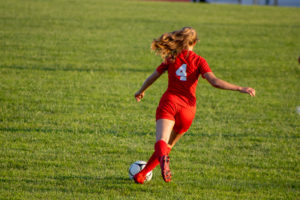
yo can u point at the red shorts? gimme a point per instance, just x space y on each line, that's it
182 115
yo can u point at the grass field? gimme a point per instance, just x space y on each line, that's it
70 127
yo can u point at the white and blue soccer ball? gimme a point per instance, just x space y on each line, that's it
136 167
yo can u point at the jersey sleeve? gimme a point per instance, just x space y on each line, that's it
203 66
162 67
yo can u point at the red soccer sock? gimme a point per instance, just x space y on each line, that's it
153 162
169 150
161 148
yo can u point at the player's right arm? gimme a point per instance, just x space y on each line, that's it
221 84
148 82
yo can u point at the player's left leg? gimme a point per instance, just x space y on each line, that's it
183 121
151 164
164 125
153 161
164 129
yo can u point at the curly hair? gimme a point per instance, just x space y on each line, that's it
169 45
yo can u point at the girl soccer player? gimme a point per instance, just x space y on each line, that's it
177 106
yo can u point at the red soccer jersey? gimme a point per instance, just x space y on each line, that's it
183 77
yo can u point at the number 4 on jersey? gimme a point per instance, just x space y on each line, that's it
181 72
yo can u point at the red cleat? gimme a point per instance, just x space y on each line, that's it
165 168
139 178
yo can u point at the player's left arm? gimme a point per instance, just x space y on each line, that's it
219 83
148 82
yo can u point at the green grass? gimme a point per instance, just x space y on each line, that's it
70 127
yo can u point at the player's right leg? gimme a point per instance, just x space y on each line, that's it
174 138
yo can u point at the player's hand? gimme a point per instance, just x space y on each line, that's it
248 90
139 95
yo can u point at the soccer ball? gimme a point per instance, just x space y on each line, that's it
136 167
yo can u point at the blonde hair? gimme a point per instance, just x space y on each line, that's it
169 45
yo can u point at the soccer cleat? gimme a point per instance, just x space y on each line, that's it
139 178
165 168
